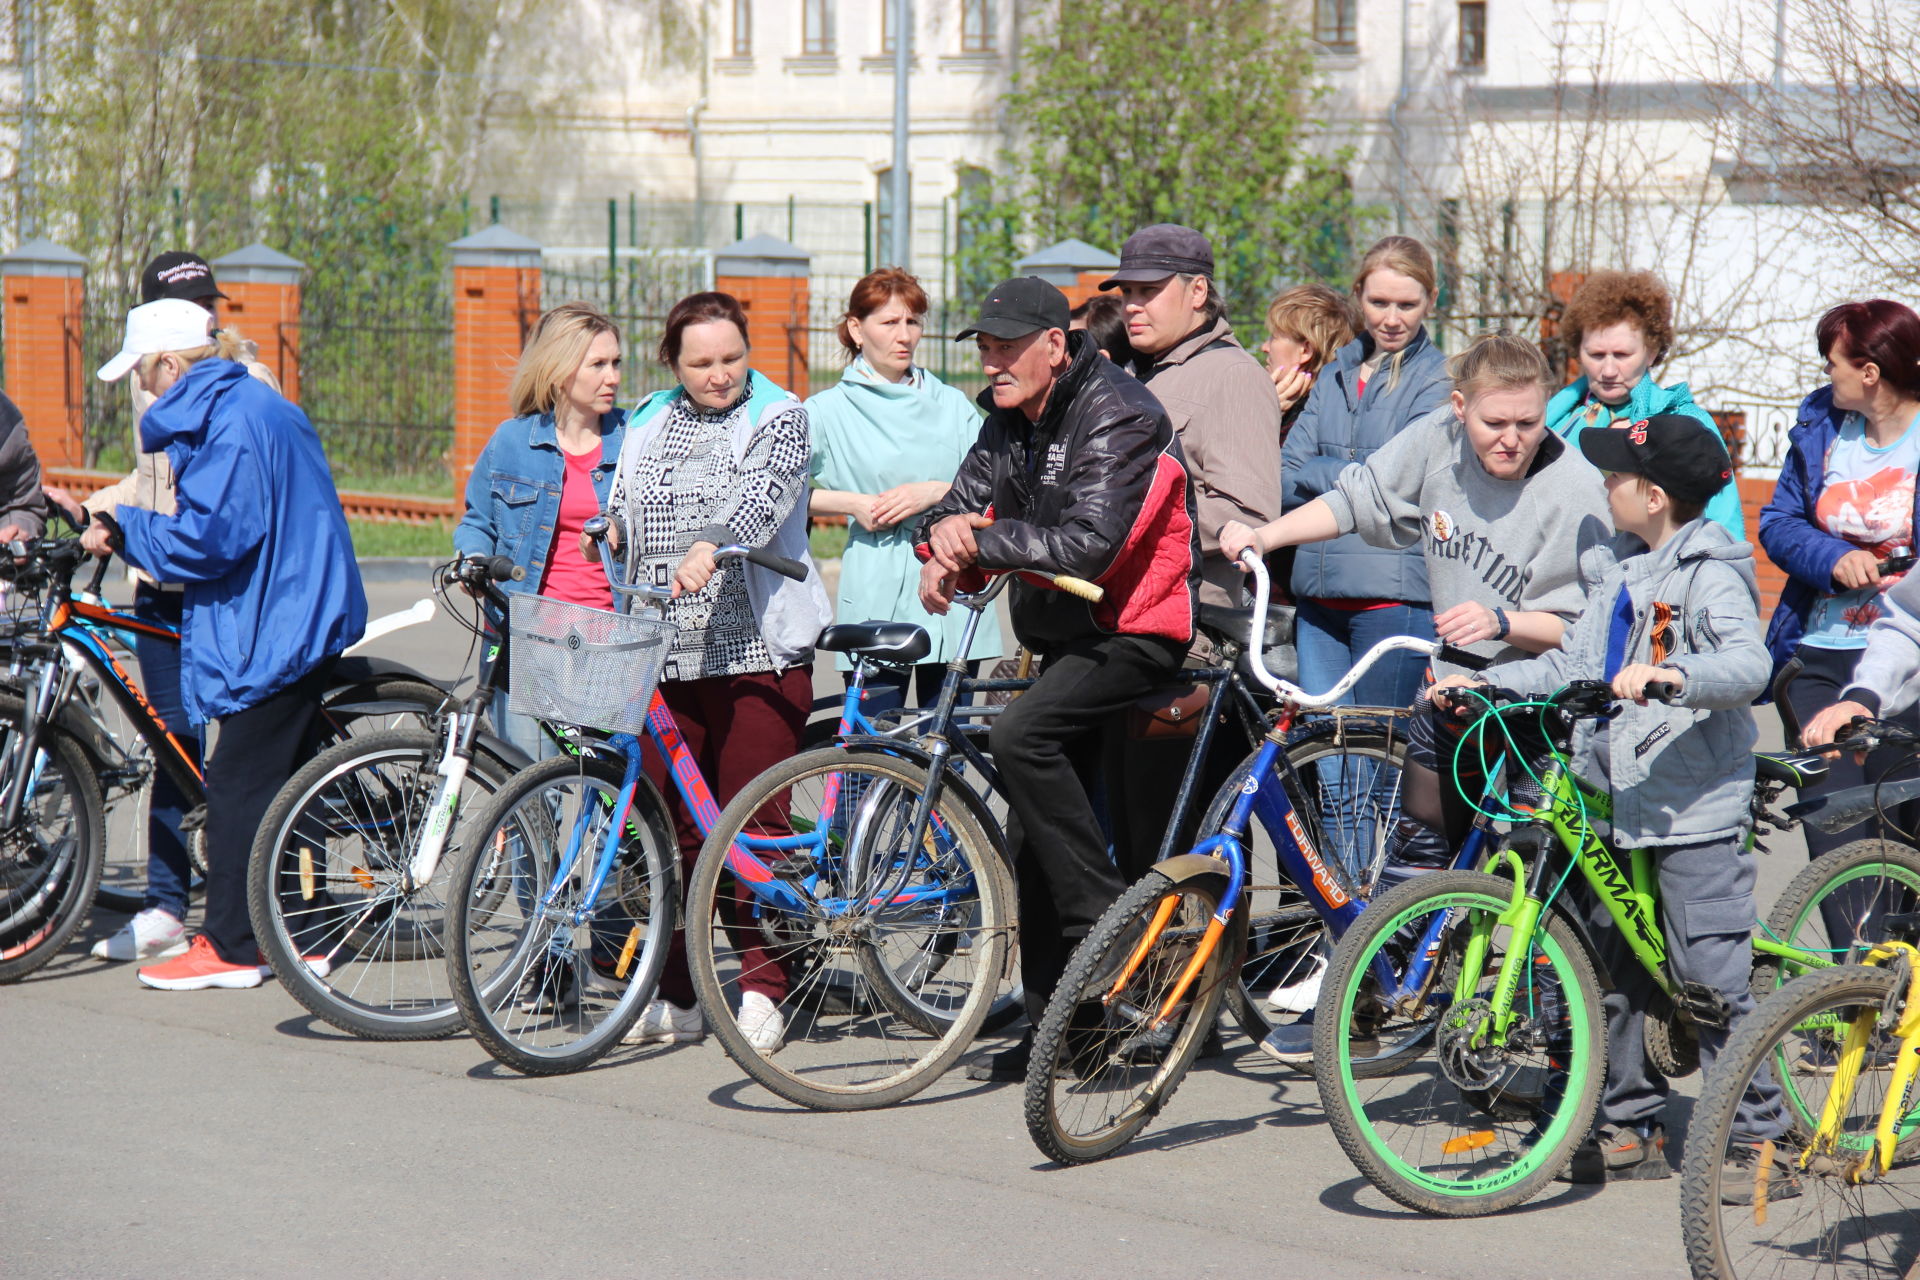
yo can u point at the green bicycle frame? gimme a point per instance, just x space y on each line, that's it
1631 895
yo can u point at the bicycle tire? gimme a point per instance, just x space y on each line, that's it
542 992
123 880
1882 874
1806 1232
848 1046
1458 1096
47 882
1100 1069
1284 933
341 834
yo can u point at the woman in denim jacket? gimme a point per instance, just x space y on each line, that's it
547 471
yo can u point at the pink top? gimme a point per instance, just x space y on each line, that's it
568 577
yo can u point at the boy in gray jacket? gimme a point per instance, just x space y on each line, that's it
1675 600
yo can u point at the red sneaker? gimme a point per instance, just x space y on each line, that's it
199 969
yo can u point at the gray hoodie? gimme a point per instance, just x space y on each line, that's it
1887 679
1508 544
1680 774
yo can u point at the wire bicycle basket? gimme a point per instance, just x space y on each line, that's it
577 665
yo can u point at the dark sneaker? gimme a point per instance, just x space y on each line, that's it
1620 1153
1008 1065
1743 1178
1291 1044
549 988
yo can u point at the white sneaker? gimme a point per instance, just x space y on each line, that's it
762 1023
663 1022
1298 997
152 935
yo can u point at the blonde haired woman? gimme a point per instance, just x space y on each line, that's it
548 470
1351 594
1306 327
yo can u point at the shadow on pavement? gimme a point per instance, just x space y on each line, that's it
1342 1197
729 1096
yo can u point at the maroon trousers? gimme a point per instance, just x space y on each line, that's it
737 727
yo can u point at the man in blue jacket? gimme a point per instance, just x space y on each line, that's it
272 593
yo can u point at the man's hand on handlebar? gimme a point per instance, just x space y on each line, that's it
95 540
937 588
1833 723
1633 680
951 543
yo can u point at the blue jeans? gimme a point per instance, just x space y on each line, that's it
168 870
1330 643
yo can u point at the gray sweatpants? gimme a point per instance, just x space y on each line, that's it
1707 914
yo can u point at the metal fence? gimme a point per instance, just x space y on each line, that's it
378 387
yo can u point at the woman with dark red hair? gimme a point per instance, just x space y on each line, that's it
1844 502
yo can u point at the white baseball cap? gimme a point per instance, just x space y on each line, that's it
170 324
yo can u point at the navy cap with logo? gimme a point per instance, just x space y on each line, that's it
1674 451
1020 306
1161 250
178 274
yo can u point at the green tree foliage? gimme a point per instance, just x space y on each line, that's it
1130 112
340 131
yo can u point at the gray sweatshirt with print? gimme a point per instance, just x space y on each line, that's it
1887 679
1680 774
1509 544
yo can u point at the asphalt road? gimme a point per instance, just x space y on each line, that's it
226 1133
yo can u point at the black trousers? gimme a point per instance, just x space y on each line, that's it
1048 747
256 752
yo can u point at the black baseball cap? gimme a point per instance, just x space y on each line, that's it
1020 306
178 274
1674 451
1161 250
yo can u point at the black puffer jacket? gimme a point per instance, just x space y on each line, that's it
1096 489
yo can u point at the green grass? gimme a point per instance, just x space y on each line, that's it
827 542
435 483
386 538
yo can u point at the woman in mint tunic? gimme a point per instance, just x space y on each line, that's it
886 442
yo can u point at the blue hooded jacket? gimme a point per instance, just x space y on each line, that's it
258 538
1789 533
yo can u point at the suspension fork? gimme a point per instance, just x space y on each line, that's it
43 694
456 757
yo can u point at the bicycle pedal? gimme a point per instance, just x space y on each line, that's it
1705 1006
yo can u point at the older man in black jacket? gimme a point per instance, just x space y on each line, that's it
1076 471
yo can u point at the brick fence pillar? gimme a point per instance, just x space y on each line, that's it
496 300
44 288
770 278
1074 267
263 303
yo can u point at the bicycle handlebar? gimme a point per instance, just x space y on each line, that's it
1290 692
1091 592
597 528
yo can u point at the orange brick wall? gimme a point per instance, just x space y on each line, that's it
1087 286
1754 495
776 308
42 323
493 307
269 315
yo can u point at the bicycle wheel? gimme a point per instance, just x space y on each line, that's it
329 888
1287 942
1860 884
50 859
547 978
1474 1126
882 948
1757 1205
1105 1061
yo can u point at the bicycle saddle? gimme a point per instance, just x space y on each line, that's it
1791 771
1226 623
887 641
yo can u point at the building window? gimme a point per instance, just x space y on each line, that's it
886 29
743 28
816 28
1336 24
976 27
974 273
1473 33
